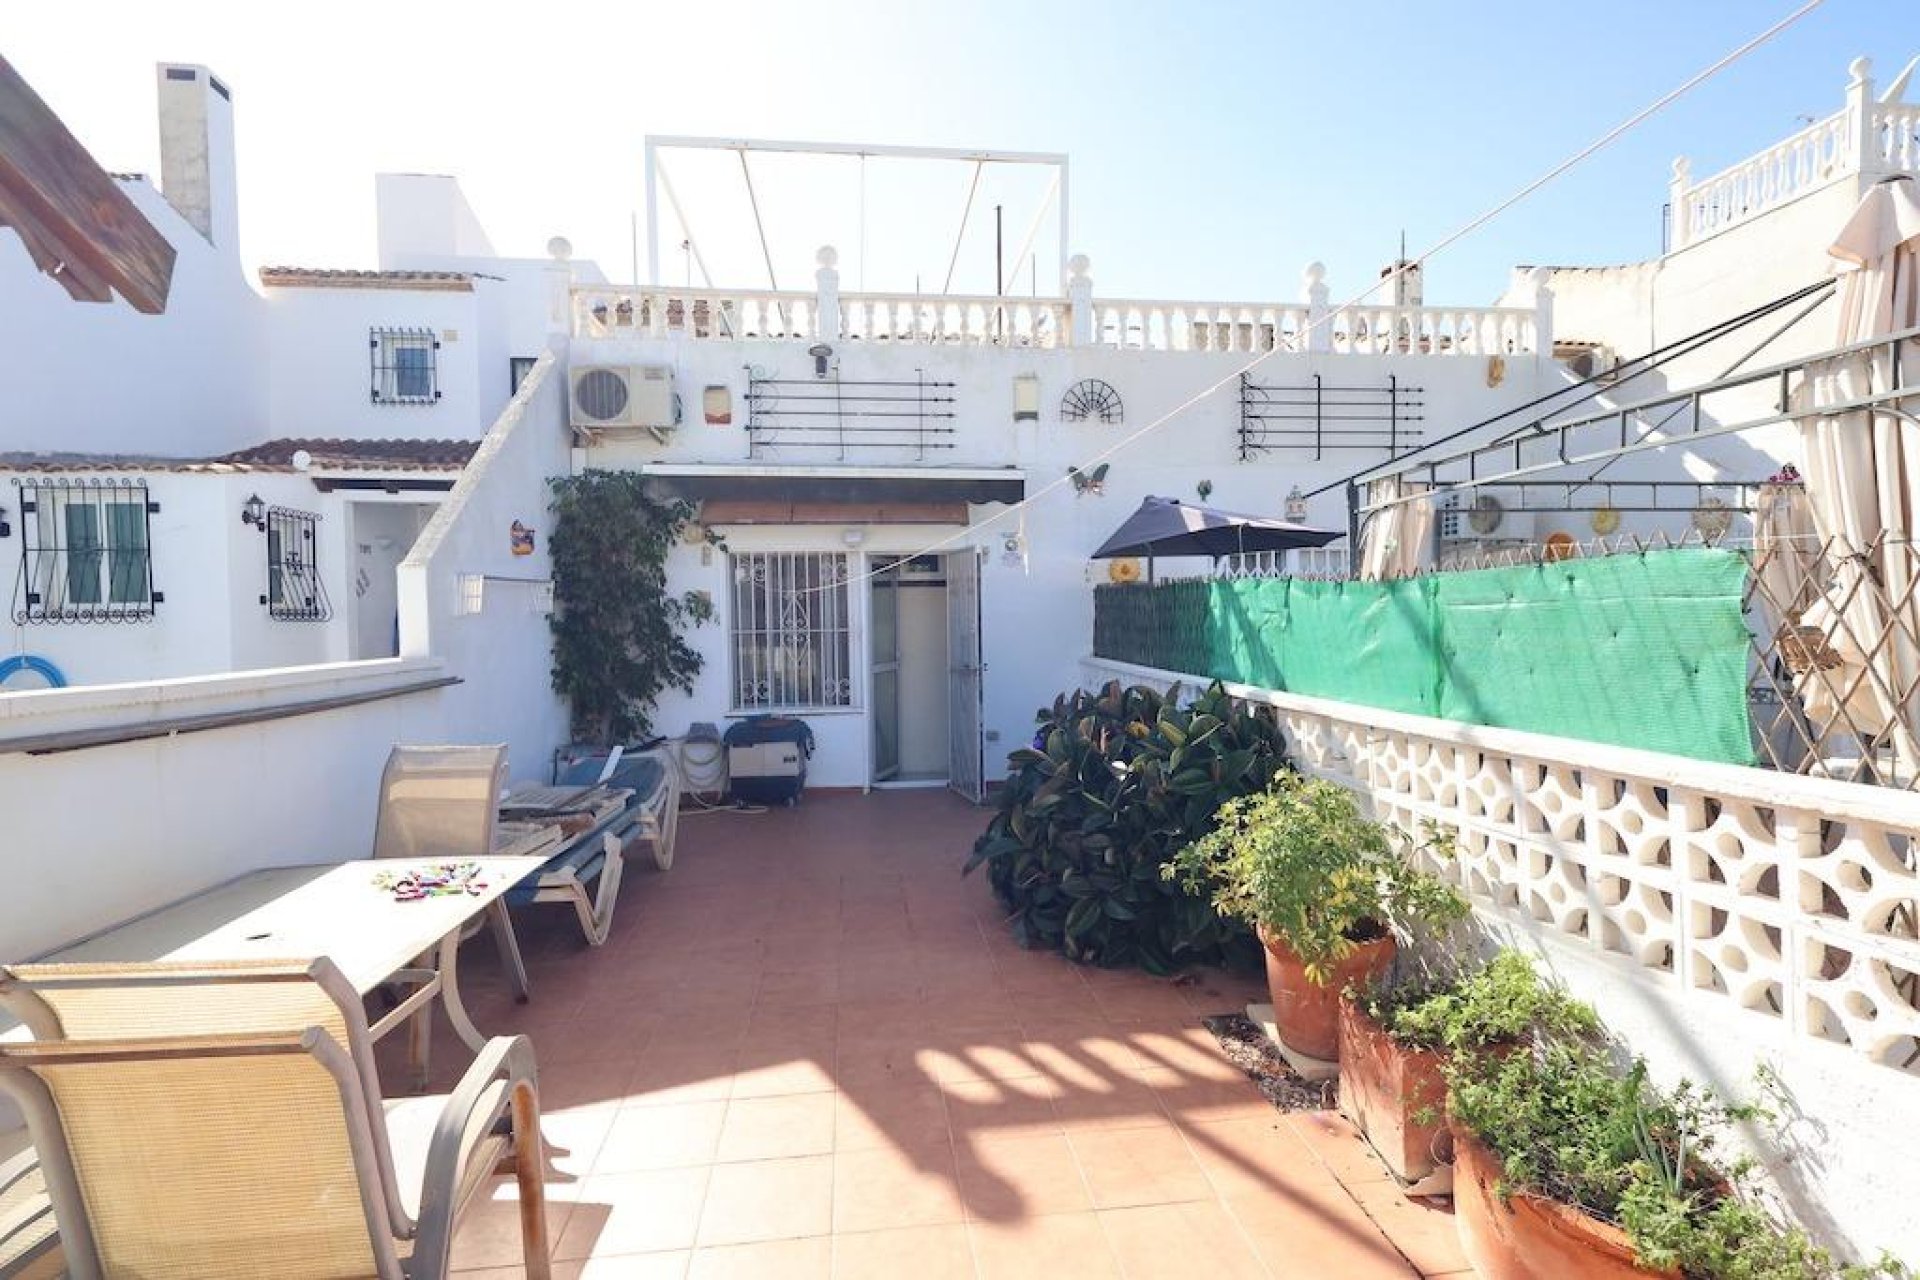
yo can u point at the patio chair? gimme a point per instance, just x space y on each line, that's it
444 803
29 1241
214 1120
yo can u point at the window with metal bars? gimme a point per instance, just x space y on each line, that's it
405 365
294 590
85 551
791 631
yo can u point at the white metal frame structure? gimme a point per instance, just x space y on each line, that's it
658 183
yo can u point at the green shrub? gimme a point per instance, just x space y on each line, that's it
1301 860
1567 1125
1114 784
1504 1002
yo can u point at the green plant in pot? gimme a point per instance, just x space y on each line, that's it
1568 1165
1323 885
1396 1035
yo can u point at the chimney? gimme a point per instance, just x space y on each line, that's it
196 152
1403 288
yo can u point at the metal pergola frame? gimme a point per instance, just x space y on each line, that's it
658 183
1542 448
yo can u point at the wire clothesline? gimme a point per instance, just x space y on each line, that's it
1598 144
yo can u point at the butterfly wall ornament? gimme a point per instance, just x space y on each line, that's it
1089 482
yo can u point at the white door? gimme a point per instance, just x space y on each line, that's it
884 629
966 771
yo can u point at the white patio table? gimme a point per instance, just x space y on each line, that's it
333 910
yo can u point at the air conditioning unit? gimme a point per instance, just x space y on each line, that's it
615 396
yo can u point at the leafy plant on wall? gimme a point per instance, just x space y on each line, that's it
619 637
1115 783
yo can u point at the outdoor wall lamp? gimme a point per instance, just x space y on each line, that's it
254 512
821 353
1296 506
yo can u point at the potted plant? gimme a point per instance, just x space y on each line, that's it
1323 885
1397 1034
1569 1167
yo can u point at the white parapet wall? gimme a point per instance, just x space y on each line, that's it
1724 921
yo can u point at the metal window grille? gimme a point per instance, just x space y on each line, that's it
791 631
405 365
518 367
85 551
294 590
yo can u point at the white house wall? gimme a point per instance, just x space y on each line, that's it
1036 614
322 370
103 378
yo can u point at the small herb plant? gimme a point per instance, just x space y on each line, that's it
1505 1002
618 635
1567 1125
1300 860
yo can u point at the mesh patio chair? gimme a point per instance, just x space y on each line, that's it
29 1242
443 803
226 1120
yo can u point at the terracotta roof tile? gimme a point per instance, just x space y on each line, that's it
325 278
274 455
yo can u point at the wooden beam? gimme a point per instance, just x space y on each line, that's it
78 225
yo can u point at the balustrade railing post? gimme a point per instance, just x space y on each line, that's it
1678 223
560 302
1542 311
826 313
1319 324
1080 300
1862 151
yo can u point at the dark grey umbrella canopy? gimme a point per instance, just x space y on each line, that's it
1169 527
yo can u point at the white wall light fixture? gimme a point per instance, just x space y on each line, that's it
1026 398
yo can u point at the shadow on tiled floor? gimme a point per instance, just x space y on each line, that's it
811 1050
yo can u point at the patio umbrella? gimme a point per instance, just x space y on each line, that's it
1395 539
1169 527
1863 477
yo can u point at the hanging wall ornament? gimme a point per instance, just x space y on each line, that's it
1091 400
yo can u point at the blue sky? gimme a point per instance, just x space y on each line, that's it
1216 147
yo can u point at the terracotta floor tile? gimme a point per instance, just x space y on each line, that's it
768 1200
1423 1229
671 1136
1198 1100
573 1138
775 1073
1252 1157
1127 1167
621 1213
671 1265
771 1128
924 1253
889 1187
1335 1238
669 1073
977 1107
596 1083
1181 1241
1064 1244
1003 1178
1339 1147
806 1259
488 1233
1114 1101
888 1115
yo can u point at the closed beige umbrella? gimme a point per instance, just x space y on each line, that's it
1863 479
1395 541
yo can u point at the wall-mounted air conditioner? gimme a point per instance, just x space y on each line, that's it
612 397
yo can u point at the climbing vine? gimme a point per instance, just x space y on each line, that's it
618 635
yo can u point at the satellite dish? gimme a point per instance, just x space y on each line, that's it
301 460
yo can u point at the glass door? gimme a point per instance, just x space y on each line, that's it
966 770
885 658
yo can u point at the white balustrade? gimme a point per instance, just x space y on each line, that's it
1810 158
600 312
1792 898
1893 142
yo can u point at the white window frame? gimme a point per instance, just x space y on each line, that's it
790 632
390 372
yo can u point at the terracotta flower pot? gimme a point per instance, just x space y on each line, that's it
1307 1013
1527 1236
1395 1094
